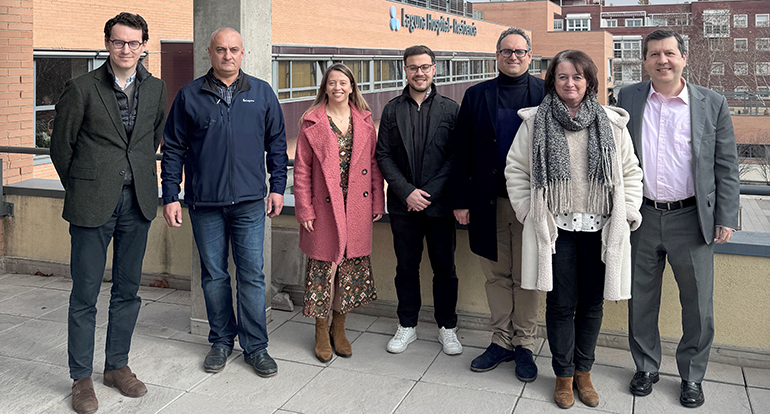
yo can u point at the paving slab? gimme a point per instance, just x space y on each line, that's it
8 291
154 293
28 280
455 371
177 297
427 398
32 386
363 393
9 321
162 319
294 341
527 406
32 339
34 302
240 384
113 402
760 400
197 403
171 364
369 355
756 377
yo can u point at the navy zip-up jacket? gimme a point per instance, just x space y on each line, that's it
222 147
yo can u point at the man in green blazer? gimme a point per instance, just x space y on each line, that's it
108 126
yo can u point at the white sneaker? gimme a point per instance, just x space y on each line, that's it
448 338
403 337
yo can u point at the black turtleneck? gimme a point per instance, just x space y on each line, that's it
512 95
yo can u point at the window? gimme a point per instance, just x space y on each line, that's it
763 43
717 68
741 20
717 88
762 20
388 74
299 78
742 88
360 69
558 25
682 20
617 73
460 70
618 50
632 73
763 69
741 68
657 21
716 23
717 44
763 90
442 72
628 49
578 25
633 22
609 22
741 45
51 73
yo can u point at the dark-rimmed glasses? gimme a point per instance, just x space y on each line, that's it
424 68
133 45
520 53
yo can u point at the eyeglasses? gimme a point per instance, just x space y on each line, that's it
520 53
133 45
424 68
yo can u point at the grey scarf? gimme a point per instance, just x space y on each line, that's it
550 174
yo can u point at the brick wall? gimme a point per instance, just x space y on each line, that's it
16 86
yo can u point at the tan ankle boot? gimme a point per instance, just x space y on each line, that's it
585 388
339 340
563 394
323 349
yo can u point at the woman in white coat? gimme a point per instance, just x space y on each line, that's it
575 184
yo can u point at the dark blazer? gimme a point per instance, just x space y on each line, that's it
395 154
474 181
90 150
715 160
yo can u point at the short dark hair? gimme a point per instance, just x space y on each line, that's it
583 64
513 31
661 34
133 21
419 50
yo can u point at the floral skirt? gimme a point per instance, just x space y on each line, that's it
353 283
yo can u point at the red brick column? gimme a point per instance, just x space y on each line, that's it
16 87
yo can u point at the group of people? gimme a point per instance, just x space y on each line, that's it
558 192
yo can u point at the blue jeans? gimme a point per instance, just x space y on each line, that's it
127 228
214 229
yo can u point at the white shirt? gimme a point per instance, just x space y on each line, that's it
667 147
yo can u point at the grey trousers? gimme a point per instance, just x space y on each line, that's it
676 235
513 309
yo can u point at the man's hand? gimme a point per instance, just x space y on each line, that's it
274 204
308 225
463 216
172 212
376 217
417 201
723 234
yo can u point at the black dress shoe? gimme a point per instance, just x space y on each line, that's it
264 365
491 358
641 384
216 359
692 394
526 370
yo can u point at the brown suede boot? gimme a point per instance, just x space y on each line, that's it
585 388
125 381
563 394
339 340
83 396
323 349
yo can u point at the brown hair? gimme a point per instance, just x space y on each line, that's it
583 64
355 97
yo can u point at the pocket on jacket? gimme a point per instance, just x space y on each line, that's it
83 173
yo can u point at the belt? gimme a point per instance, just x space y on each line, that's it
670 205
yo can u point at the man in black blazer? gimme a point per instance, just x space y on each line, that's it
683 136
486 125
415 154
108 125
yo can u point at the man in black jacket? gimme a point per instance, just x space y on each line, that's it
415 155
486 125
107 129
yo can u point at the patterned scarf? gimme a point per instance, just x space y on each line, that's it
551 175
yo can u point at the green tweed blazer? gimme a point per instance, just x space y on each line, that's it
90 150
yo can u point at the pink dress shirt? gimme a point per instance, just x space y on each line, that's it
666 147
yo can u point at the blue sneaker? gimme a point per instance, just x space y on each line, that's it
526 370
491 358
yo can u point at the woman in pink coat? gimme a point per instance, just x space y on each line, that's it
338 193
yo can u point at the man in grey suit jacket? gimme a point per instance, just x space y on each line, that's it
108 126
684 139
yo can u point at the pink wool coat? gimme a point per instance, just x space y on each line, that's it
317 193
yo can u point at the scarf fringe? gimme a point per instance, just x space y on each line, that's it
558 196
600 191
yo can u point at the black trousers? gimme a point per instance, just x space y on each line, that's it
574 308
408 233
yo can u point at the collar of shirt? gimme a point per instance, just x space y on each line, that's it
684 96
128 81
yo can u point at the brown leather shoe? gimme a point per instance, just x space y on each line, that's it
83 396
586 392
125 381
323 349
563 394
338 339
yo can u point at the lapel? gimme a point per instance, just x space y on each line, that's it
434 118
103 84
404 123
697 124
362 130
321 138
491 97
638 102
